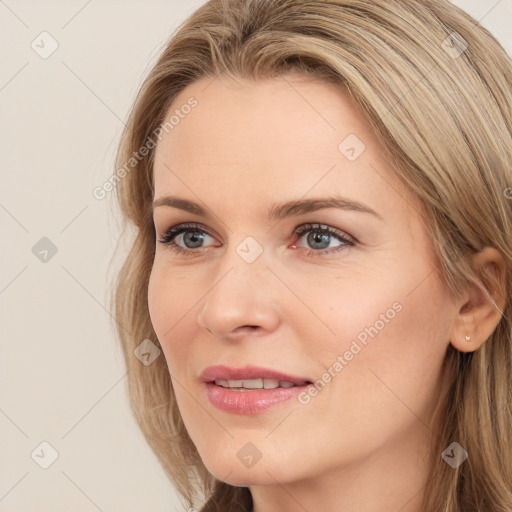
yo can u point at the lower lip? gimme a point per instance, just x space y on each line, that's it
251 401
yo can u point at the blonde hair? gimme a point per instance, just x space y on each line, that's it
443 112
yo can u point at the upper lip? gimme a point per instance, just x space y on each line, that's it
213 373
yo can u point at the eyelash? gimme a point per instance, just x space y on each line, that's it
174 231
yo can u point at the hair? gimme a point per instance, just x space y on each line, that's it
444 117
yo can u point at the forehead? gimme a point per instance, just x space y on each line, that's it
286 136
280 115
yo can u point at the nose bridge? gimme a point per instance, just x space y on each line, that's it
245 261
241 292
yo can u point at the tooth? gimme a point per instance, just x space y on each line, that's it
270 383
257 383
253 383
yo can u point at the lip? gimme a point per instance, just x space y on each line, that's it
252 401
212 373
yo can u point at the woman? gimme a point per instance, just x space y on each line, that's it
320 192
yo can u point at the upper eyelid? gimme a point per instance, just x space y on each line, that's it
186 226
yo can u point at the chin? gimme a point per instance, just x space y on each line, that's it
234 472
244 477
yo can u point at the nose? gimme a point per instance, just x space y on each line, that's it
242 302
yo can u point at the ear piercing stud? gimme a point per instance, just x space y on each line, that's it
468 339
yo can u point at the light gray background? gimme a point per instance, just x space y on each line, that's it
62 376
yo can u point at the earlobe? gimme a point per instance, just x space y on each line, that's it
463 336
482 305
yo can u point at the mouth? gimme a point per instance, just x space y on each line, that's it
250 390
252 384
250 377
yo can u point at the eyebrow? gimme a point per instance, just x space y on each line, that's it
277 211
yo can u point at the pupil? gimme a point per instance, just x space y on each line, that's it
193 238
317 238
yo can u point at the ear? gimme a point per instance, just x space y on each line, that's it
478 316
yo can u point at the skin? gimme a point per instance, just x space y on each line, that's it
360 444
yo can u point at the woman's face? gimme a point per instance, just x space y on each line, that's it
360 310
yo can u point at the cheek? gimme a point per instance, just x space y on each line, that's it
170 301
173 301
354 314
160 302
168 307
392 343
171 295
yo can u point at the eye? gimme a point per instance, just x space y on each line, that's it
193 235
320 236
